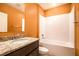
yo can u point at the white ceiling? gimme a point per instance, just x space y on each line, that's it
19 6
46 6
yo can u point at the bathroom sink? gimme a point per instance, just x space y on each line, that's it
18 42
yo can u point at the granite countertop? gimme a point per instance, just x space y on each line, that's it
12 45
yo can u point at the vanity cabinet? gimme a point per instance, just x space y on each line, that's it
29 50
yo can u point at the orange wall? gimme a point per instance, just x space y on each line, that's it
32 21
77 29
66 8
41 11
32 12
14 17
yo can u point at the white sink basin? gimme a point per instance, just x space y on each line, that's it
18 42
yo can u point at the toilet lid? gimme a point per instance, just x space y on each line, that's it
43 49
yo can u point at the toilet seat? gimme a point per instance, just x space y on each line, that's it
43 50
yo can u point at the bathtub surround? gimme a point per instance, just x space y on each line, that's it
60 28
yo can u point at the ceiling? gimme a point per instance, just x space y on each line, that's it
19 6
46 6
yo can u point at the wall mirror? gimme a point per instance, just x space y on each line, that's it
3 22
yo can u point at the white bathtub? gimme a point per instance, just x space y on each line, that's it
60 43
58 48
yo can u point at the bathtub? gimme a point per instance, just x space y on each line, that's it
58 48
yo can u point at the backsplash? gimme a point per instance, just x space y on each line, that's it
10 36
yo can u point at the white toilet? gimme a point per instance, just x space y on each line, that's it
43 50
